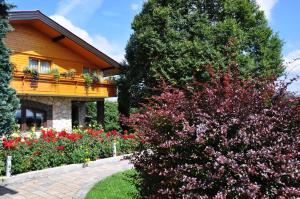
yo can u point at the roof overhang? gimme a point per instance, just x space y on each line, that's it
60 34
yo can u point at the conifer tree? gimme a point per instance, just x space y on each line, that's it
8 99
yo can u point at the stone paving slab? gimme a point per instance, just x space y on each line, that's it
73 184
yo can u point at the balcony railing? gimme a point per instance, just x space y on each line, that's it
47 84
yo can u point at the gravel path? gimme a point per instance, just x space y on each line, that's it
72 184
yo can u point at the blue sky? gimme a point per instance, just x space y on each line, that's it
106 23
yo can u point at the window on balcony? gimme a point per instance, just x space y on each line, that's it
43 66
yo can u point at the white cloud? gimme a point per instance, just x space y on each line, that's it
135 6
111 49
267 6
79 10
292 62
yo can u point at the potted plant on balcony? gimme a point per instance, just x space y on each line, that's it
95 77
34 78
34 74
69 73
55 73
27 70
88 79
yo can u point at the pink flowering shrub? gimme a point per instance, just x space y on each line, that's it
230 138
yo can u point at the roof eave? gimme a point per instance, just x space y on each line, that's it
37 15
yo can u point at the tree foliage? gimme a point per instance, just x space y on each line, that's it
230 138
176 39
111 115
8 100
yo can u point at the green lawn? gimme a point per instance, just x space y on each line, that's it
117 186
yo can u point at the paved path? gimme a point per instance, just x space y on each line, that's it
70 185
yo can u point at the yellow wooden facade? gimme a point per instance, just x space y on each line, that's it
31 40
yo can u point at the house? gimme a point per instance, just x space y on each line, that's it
49 65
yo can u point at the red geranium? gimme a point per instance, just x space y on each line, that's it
107 134
131 136
101 139
8 144
94 133
49 133
62 134
60 148
74 136
125 137
18 139
114 132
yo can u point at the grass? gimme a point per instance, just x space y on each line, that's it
117 186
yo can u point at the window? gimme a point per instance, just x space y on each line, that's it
43 66
30 117
85 70
94 71
33 64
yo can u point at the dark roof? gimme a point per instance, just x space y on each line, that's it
37 15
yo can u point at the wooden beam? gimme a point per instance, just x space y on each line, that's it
58 38
100 112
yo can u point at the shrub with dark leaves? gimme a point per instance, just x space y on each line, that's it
230 138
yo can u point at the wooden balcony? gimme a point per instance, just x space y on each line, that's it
75 86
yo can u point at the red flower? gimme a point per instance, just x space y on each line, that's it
100 139
8 144
60 148
131 136
139 134
74 136
125 132
94 133
107 134
114 132
50 133
28 142
62 134
18 139
37 153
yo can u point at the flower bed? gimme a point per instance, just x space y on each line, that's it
58 148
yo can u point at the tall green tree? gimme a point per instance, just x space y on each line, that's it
175 40
111 115
8 99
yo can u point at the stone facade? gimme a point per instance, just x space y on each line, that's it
61 109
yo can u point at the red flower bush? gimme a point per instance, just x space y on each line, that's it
60 148
8 144
230 138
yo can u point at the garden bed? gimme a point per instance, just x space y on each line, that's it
54 149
